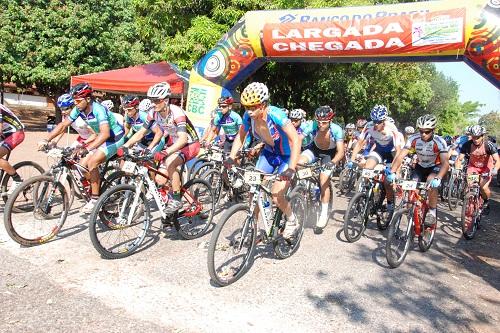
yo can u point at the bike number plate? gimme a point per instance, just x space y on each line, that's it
409 185
368 173
217 157
252 178
473 178
128 167
304 173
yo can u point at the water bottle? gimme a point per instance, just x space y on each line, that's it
316 193
267 209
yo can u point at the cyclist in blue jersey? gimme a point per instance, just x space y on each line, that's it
281 145
153 139
328 146
110 135
227 119
297 118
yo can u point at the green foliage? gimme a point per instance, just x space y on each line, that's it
492 123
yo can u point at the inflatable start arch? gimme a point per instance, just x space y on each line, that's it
449 30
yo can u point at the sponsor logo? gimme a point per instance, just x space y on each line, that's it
287 18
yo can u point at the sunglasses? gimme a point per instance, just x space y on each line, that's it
222 106
476 137
425 131
156 100
323 121
78 100
295 119
378 122
131 108
66 109
252 108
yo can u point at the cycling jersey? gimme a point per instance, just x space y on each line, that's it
175 122
460 141
82 128
427 152
10 122
230 122
307 139
386 140
336 133
138 123
276 121
479 156
97 117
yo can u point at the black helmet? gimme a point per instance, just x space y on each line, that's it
81 90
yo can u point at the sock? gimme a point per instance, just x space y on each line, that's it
291 218
16 177
94 197
324 209
176 195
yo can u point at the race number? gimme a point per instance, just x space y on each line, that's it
473 178
129 167
217 157
368 173
304 173
409 185
252 178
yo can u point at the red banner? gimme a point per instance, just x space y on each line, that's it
422 33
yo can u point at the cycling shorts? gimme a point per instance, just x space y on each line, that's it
420 174
381 156
228 145
12 140
110 147
189 151
314 153
270 162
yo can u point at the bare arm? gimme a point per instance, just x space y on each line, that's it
340 152
179 144
238 142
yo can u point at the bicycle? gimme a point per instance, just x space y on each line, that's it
205 161
348 177
456 187
121 217
234 239
472 206
368 201
408 222
25 169
37 210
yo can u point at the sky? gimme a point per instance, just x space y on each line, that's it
472 86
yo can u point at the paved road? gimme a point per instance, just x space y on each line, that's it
329 285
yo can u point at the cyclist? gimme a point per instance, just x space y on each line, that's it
110 135
227 119
153 139
482 157
386 144
86 135
145 105
108 104
182 143
409 130
281 145
350 136
432 161
327 145
11 135
296 117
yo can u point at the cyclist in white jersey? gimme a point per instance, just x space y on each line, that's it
86 135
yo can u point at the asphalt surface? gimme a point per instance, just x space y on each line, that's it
329 285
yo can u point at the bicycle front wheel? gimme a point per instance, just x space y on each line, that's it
122 229
26 170
356 217
469 216
453 192
232 245
399 237
36 210
284 248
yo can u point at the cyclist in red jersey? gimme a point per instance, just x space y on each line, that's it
11 135
482 156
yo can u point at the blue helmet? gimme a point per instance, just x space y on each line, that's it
65 101
448 139
379 113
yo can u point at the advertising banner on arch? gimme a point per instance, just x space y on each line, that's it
425 33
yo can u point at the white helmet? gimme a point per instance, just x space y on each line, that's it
477 130
409 130
108 104
145 105
427 121
296 114
350 126
160 90
254 94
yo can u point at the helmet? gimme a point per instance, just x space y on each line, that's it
160 90
409 130
226 100
65 101
296 114
304 113
350 126
254 94
379 113
108 104
477 130
427 121
81 90
324 113
448 139
361 122
145 105
467 130
129 101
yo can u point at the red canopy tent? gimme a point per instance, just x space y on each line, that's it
136 79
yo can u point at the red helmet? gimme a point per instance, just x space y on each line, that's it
81 90
324 113
226 100
130 101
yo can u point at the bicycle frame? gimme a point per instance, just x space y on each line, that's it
418 203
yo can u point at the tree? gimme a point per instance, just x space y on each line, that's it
492 123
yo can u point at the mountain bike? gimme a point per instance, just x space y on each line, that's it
369 201
456 187
408 222
235 237
122 216
348 177
472 206
37 209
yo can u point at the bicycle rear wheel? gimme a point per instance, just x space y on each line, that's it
453 192
469 216
197 211
232 245
399 237
36 211
356 217
111 234
214 178
284 248
26 170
